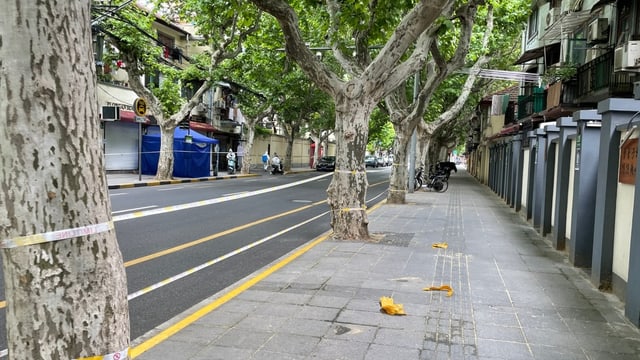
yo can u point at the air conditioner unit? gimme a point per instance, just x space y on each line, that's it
110 113
598 30
552 16
627 56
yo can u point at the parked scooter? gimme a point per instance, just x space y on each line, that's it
231 166
436 181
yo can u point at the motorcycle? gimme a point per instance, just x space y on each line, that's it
437 180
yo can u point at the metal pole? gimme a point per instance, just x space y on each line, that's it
217 148
139 151
414 138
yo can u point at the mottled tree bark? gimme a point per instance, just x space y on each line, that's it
399 174
348 188
67 298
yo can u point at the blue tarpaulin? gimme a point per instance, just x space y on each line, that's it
190 160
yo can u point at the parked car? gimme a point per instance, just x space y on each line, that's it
326 163
371 160
391 157
381 161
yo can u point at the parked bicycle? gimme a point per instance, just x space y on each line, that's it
437 180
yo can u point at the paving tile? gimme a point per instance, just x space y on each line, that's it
307 327
265 323
218 353
351 332
399 338
497 332
385 352
293 344
243 339
333 349
503 350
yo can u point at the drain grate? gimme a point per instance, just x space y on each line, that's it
394 239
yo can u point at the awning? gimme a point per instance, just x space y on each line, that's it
130 116
196 125
538 53
565 25
600 4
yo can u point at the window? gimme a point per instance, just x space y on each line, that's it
533 25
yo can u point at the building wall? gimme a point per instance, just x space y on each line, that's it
301 151
623 226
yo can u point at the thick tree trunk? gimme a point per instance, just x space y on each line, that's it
399 174
348 188
66 292
166 159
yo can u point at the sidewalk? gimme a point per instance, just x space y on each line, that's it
514 297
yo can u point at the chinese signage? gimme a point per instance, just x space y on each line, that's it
628 162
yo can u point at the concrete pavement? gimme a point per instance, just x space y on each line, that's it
514 296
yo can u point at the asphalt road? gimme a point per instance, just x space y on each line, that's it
184 243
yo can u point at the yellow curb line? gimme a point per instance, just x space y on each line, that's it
172 330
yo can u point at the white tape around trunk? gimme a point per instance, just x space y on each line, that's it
56 235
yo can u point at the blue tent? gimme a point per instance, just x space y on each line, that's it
190 160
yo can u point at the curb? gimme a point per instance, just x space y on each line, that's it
177 181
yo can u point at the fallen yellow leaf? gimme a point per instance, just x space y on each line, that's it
387 306
446 288
442 245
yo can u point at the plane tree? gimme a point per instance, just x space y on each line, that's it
224 27
405 31
471 39
295 104
64 277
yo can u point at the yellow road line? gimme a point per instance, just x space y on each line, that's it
174 249
217 235
174 329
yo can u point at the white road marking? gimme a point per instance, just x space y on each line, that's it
167 209
135 209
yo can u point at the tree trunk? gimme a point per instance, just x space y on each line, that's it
246 159
66 299
422 150
166 159
399 174
348 188
316 149
286 166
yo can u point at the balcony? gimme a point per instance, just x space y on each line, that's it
532 103
597 81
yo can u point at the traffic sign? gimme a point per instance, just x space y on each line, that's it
140 107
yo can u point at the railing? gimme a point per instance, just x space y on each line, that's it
598 75
531 104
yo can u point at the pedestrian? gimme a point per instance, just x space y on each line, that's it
231 161
265 160
275 161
